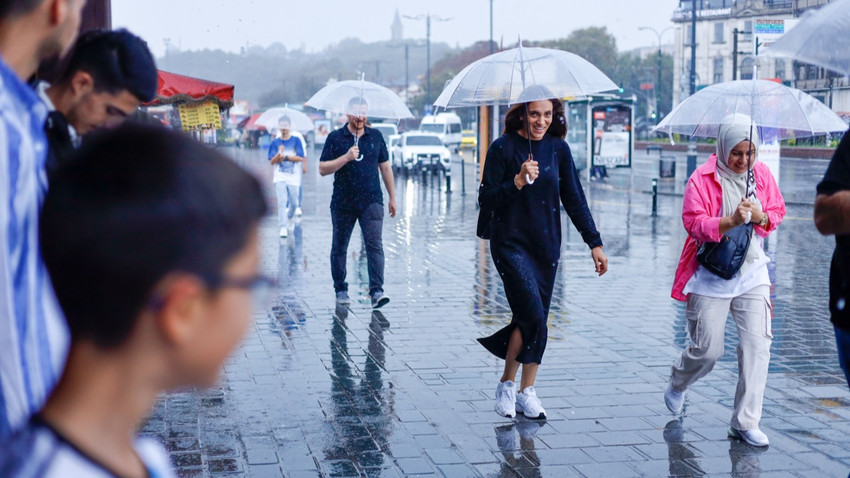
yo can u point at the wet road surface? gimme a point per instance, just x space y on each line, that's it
317 390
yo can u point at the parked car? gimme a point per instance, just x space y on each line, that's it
446 125
394 145
468 139
418 151
387 130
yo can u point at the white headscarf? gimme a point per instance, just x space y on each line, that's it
735 129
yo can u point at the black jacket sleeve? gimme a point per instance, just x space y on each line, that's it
572 196
497 183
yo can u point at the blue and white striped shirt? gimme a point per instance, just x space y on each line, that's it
40 451
33 333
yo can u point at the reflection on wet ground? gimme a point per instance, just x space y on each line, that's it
317 390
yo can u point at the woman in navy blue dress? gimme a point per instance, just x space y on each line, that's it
525 192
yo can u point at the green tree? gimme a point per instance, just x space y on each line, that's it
632 72
594 44
443 71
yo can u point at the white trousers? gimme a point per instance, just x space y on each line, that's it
706 325
287 201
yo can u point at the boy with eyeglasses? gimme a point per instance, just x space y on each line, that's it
151 241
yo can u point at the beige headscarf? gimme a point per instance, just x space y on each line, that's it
735 129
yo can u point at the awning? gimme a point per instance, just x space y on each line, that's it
250 123
174 88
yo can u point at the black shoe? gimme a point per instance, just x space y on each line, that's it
379 299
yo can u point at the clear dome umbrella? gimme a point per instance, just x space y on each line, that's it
298 120
821 38
778 111
381 101
773 109
360 97
522 75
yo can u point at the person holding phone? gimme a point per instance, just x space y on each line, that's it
284 153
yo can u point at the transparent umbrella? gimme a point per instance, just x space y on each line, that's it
819 37
381 101
506 77
298 120
779 112
351 96
522 75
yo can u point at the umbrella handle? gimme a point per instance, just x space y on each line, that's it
357 143
528 179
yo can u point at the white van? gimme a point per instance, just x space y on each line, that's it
446 125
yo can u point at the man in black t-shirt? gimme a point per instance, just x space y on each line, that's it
832 217
354 154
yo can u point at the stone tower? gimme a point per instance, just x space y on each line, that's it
396 28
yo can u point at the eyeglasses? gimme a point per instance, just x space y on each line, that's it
260 286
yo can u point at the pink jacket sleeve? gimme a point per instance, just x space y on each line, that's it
699 211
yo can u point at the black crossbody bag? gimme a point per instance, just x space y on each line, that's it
725 258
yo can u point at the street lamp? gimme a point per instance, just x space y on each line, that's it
427 17
491 27
407 46
658 75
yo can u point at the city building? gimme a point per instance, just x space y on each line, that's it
730 39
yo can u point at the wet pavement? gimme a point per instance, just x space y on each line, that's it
317 390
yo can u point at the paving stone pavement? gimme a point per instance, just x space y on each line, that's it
320 391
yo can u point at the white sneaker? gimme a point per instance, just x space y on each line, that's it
529 405
674 400
506 399
298 212
284 232
754 437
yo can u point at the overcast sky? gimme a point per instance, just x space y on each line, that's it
231 24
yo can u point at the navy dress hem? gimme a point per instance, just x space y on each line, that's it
526 237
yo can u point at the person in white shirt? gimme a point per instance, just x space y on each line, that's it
286 153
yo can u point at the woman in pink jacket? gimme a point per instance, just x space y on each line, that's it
714 203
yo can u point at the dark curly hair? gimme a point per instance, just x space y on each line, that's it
515 118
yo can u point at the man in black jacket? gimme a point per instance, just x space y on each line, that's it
104 79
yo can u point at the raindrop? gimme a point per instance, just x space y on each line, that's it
840 303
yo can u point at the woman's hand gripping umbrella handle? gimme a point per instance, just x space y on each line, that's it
529 170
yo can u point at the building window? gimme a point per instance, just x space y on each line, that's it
687 39
780 69
718 70
718 32
748 30
747 68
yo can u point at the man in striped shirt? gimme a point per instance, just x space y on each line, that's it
33 334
